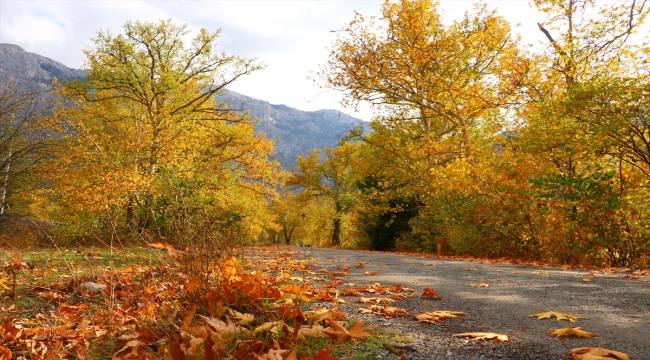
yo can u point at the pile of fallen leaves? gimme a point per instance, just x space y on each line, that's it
236 309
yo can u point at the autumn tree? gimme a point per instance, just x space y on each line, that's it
145 139
23 143
327 174
416 68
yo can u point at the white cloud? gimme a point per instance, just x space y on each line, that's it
289 36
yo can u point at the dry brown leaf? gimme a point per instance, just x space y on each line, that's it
485 336
440 315
591 353
558 315
388 311
587 280
5 354
400 296
471 269
371 273
481 285
572 332
375 300
431 293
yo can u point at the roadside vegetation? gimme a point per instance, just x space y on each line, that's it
482 146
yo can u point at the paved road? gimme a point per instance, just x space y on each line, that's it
618 309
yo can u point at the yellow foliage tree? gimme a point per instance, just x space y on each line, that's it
145 140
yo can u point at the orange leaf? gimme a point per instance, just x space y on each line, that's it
5 354
431 293
321 355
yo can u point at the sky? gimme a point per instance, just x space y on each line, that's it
290 37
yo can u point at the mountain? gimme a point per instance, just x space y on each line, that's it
294 131
32 71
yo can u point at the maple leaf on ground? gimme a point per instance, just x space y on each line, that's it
313 331
431 293
358 331
371 273
375 300
485 336
5 354
321 355
400 296
388 311
3 281
558 315
587 280
440 315
572 332
591 353
481 285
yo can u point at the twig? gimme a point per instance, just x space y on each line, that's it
79 296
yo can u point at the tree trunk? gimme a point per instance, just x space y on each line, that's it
336 231
287 235
3 191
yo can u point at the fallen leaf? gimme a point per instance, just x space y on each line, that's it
591 353
431 293
482 285
485 336
587 280
439 315
471 269
558 315
375 300
572 332
388 311
321 355
371 273
400 296
5 354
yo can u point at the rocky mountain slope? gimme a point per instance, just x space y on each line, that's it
29 70
294 131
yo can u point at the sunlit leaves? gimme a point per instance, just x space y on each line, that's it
485 336
571 332
541 315
591 353
439 315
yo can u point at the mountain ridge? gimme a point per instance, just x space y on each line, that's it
295 132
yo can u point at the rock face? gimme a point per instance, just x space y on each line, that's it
29 70
294 131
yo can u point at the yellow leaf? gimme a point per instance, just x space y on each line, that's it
440 315
590 353
3 281
485 336
572 332
558 315
482 284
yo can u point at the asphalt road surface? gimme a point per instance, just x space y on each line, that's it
618 309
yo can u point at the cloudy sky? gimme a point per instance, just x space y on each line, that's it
290 37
